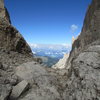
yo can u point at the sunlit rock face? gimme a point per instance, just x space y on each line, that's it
61 64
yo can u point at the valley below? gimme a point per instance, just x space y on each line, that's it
50 54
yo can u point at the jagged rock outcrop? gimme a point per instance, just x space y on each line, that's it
61 64
83 65
3 12
10 38
91 29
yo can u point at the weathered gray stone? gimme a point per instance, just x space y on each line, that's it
10 38
13 51
84 82
61 64
19 89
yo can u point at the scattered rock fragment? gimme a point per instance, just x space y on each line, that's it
19 89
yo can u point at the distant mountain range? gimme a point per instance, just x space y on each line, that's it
50 53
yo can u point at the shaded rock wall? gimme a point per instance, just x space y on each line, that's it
91 29
83 65
10 38
13 51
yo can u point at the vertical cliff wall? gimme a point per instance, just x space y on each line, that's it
90 34
91 28
10 38
84 62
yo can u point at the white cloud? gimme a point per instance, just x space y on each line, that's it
74 27
50 46
33 45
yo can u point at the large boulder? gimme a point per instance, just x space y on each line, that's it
19 89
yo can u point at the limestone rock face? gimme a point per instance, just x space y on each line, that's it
3 12
19 89
10 38
84 80
91 29
61 64
13 51
84 61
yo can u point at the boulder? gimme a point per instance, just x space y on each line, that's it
19 89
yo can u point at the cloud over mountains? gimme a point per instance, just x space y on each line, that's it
51 46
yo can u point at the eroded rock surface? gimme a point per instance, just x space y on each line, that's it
61 64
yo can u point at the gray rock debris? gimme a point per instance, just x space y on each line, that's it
44 85
5 90
7 79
